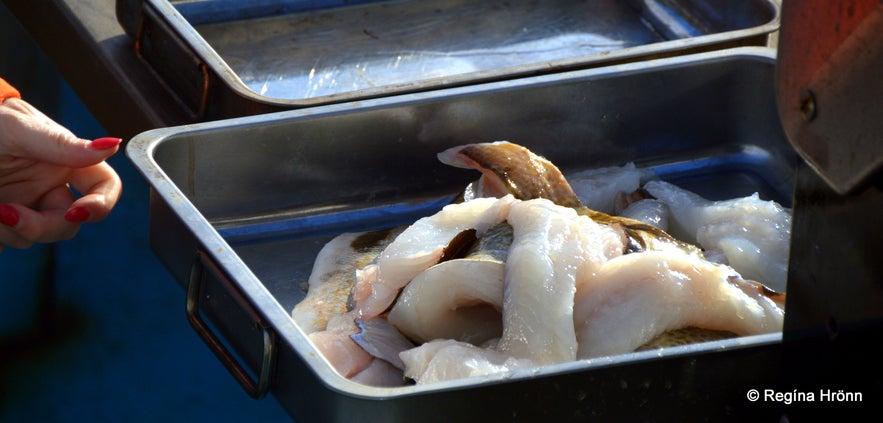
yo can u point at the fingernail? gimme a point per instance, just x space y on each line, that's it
106 143
77 215
8 215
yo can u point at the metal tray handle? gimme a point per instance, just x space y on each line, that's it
256 389
174 59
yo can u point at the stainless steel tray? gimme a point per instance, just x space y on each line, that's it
232 58
240 207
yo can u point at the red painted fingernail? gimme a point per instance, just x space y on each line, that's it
8 215
77 215
106 143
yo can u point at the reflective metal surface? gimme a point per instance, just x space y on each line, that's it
390 44
288 54
829 87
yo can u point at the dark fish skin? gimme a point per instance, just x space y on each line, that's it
512 169
509 168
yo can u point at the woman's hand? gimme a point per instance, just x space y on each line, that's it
43 167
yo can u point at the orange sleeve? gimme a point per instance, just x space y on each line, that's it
7 91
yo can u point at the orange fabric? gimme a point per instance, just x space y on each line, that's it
7 91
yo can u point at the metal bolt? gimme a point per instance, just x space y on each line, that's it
807 105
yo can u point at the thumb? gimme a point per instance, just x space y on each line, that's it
65 149
28 133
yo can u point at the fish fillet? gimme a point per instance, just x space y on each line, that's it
754 235
636 297
419 247
334 274
551 249
442 360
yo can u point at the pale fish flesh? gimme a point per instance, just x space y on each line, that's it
336 346
598 188
380 373
754 235
419 247
648 210
447 359
552 248
636 297
458 299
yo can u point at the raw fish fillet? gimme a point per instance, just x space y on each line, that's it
565 282
334 274
552 248
458 299
419 247
334 343
442 360
650 211
754 235
636 297
597 188
380 373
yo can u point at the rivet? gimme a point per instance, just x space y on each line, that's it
807 105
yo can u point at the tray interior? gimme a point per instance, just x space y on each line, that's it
294 50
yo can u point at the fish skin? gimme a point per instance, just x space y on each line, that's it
334 274
382 340
685 336
509 168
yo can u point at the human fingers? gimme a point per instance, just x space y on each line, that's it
23 227
29 133
9 220
100 187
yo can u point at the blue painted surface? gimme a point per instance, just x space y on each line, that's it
95 328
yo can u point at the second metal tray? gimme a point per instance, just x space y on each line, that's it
233 58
